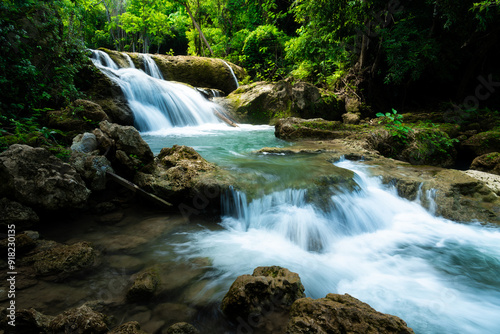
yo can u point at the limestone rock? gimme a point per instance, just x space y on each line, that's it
84 143
144 286
258 297
92 169
293 128
34 177
182 328
80 320
128 140
341 314
80 116
489 163
181 176
131 327
15 213
61 261
351 118
264 102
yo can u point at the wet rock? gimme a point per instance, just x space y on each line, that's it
264 102
172 312
80 320
145 286
92 169
30 321
23 244
14 213
492 181
341 314
262 297
489 163
182 328
62 261
78 117
182 177
84 143
293 128
128 140
482 143
34 177
131 327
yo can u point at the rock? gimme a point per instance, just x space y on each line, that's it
182 177
17 214
293 128
80 320
128 140
23 243
172 312
263 296
264 102
131 327
84 143
125 263
62 261
489 163
351 118
492 181
30 321
92 169
78 117
341 314
482 143
182 328
144 286
34 177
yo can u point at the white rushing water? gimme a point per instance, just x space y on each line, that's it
157 104
232 73
437 275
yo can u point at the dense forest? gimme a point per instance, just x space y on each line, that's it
408 55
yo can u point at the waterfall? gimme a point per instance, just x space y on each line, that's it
150 67
157 104
438 275
232 73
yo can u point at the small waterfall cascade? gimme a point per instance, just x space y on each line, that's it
392 253
232 73
157 104
150 67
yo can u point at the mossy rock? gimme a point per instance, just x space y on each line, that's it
483 143
489 162
145 286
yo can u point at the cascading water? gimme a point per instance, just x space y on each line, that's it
150 67
439 276
157 104
232 73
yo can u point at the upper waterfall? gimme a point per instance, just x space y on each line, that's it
157 104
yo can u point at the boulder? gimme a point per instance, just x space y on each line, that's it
128 140
263 297
60 261
145 286
78 117
80 320
34 177
341 314
182 177
182 328
264 102
15 213
92 169
84 143
131 327
489 162
30 321
482 143
293 128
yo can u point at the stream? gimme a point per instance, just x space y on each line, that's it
438 275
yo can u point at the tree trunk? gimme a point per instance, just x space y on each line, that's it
202 36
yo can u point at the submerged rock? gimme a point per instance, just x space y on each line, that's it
80 320
341 314
131 327
21 216
263 297
61 261
34 177
144 287
182 328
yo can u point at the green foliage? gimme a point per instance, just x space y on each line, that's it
394 124
263 53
